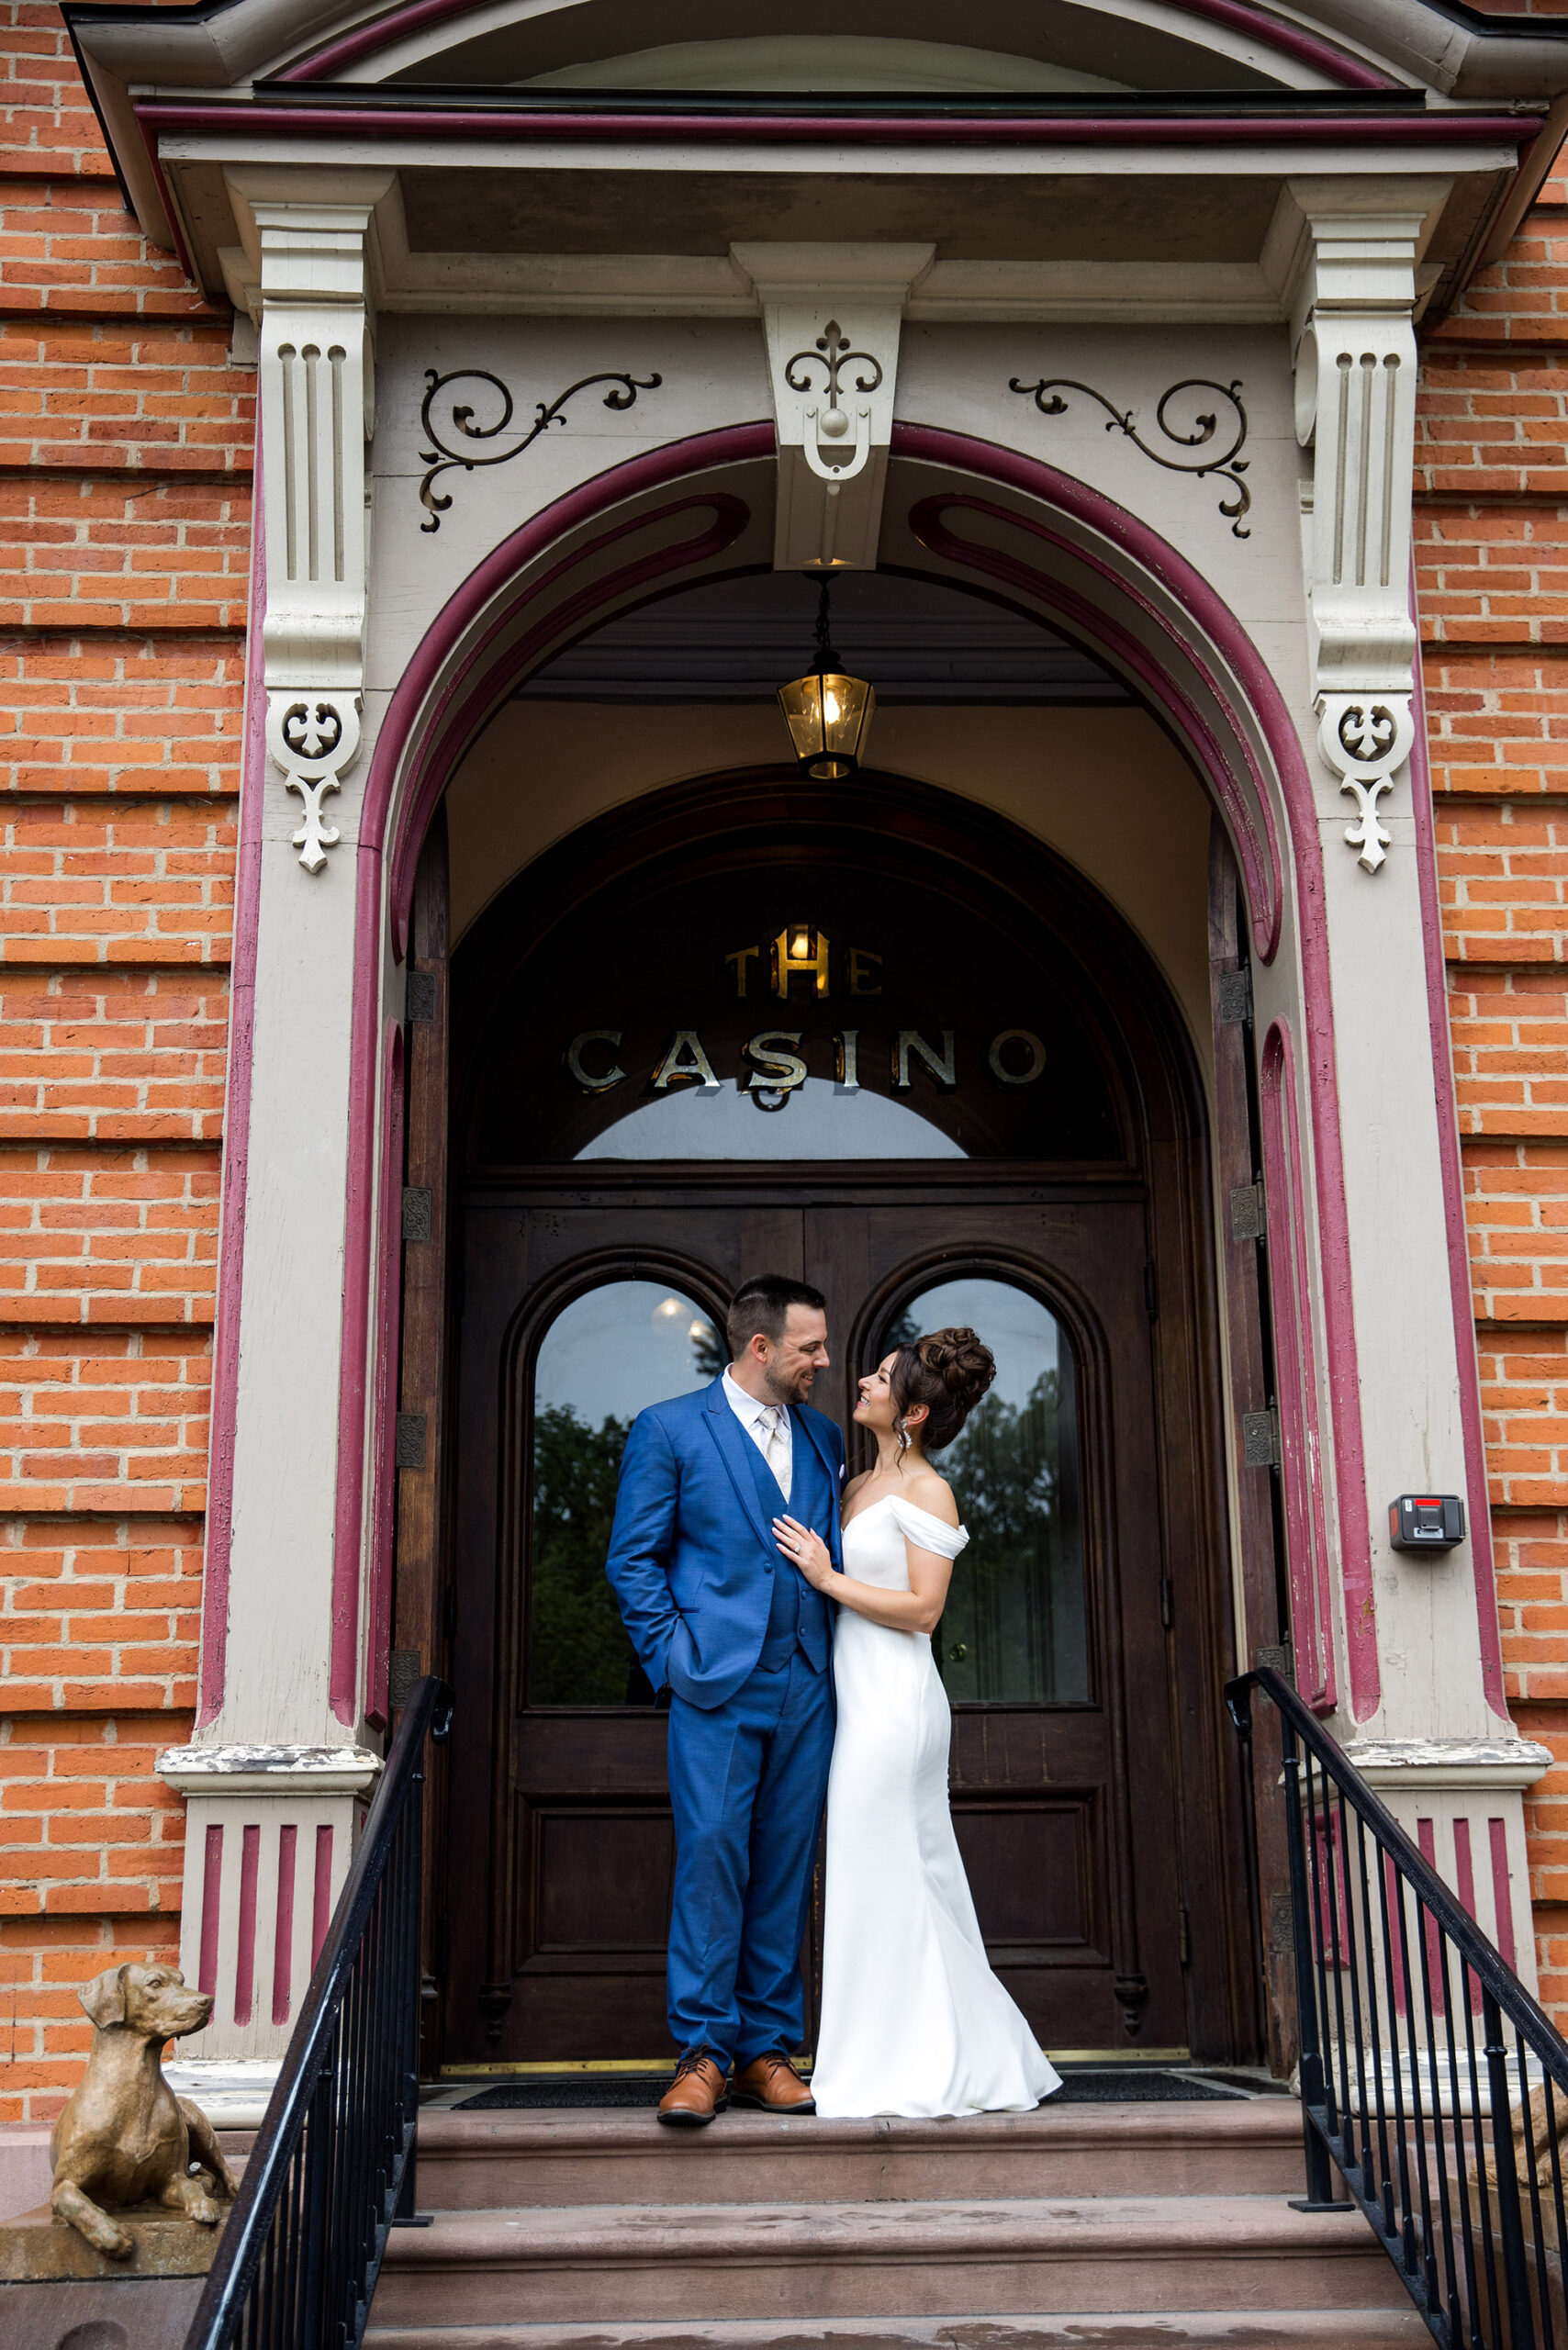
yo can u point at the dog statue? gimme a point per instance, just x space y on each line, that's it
124 2136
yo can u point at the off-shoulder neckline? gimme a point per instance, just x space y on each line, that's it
886 1502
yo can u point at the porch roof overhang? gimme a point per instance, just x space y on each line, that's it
486 201
494 196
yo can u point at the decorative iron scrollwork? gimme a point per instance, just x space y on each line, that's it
1228 462
440 456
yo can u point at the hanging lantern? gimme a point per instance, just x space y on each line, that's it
828 712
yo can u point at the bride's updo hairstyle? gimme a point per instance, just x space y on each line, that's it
948 1371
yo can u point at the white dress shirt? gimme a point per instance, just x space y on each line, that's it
767 1425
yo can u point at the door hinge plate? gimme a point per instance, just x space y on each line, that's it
1260 1438
409 1449
1235 993
1249 1213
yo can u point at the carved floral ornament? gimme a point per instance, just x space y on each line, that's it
849 439
313 737
1365 739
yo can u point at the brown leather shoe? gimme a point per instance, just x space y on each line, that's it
696 2093
772 2082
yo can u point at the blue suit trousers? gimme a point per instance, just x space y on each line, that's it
748 1781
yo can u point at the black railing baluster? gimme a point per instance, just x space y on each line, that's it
1468 2204
1549 2116
1439 2290
1320 1954
1533 2175
1382 2186
1361 2147
1336 1947
1483 2198
1397 2226
297 2263
1470 2313
1522 2325
1319 2178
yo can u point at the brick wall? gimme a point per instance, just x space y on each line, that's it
1492 540
125 448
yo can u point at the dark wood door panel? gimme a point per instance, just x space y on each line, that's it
601 1882
616 1754
1067 1825
1037 1874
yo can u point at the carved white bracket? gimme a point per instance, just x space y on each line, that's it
315 266
313 737
1346 256
1366 739
831 314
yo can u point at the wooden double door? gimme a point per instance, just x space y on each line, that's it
583 1299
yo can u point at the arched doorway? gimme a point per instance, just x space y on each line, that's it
884 1040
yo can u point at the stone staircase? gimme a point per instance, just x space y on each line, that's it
1112 2227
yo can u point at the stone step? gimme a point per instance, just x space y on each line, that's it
615 2264
1376 2329
475 2162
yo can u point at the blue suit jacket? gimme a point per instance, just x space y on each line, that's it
692 1555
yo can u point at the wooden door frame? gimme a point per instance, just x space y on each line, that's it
1164 1094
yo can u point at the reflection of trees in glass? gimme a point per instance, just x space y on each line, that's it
579 1651
710 1354
903 1331
1014 1622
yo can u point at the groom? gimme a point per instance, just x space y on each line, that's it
720 1618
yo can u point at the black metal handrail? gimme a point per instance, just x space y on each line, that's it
1451 2149
333 2161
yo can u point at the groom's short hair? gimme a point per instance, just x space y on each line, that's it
763 1304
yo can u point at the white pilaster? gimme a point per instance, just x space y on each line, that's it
277 1781
1348 258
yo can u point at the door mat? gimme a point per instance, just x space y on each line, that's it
1134 2083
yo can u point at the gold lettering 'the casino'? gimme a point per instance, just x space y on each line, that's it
685 1063
800 946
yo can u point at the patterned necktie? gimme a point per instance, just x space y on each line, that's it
775 1451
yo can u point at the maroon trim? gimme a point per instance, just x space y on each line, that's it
1256 24
354 1342
236 1132
283 1923
1301 1450
211 1899
1502 1894
1451 1160
1260 861
447 729
1193 594
735 444
425 779
245 119
388 1322
245 1954
321 1889
439 754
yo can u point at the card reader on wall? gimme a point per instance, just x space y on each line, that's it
1426 1521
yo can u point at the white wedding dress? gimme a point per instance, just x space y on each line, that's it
913 2021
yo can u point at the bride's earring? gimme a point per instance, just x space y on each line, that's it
903 1436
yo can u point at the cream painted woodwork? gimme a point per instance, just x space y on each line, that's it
536 239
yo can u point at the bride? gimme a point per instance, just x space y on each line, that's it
913 2021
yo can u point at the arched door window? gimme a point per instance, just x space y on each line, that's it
607 1355
1016 1629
